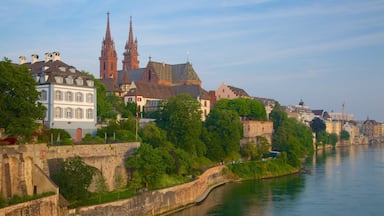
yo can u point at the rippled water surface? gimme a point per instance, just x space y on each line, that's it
347 181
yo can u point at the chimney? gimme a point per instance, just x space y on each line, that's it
48 57
22 60
35 58
56 56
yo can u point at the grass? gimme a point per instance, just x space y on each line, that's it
98 198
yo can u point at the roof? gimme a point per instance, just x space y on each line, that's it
238 91
151 90
184 72
194 90
57 68
133 75
110 84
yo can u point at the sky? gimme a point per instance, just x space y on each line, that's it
325 53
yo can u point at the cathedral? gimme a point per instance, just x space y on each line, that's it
150 84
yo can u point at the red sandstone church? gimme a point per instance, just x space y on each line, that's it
151 84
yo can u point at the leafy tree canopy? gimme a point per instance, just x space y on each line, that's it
18 101
225 131
181 118
244 107
278 116
74 178
317 125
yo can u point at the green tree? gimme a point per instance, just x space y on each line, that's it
153 135
74 178
244 107
295 139
278 116
181 118
147 163
18 101
225 131
344 135
317 125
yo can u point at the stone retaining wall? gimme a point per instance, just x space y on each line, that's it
159 201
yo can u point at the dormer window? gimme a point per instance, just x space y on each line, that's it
59 79
79 81
62 69
69 80
90 83
72 70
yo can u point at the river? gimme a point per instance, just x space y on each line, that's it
345 181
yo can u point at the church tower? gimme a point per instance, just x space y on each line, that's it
130 55
108 58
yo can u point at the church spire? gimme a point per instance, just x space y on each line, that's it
108 57
130 55
108 31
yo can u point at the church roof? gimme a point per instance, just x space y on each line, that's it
151 90
194 90
110 85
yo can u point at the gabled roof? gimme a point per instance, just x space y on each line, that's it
131 74
238 91
194 90
110 84
184 72
151 90
162 70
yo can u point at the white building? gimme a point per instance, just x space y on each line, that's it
68 94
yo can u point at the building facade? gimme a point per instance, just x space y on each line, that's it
68 94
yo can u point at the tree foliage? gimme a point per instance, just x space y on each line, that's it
278 116
148 165
295 138
74 178
344 135
244 107
317 125
224 131
18 101
181 118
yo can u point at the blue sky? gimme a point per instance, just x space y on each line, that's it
324 52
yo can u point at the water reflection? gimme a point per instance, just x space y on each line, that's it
343 181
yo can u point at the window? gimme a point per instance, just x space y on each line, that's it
69 80
43 95
90 83
58 112
58 95
68 112
89 114
139 99
79 97
79 81
79 113
58 79
89 98
68 96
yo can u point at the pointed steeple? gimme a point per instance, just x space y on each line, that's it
130 55
108 31
108 57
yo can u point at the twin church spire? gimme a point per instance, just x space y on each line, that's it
108 57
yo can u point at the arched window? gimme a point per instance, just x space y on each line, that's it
79 97
68 96
68 112
89 98
58 95
58 112
79 113
89 114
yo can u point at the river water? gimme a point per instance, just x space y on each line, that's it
346 181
